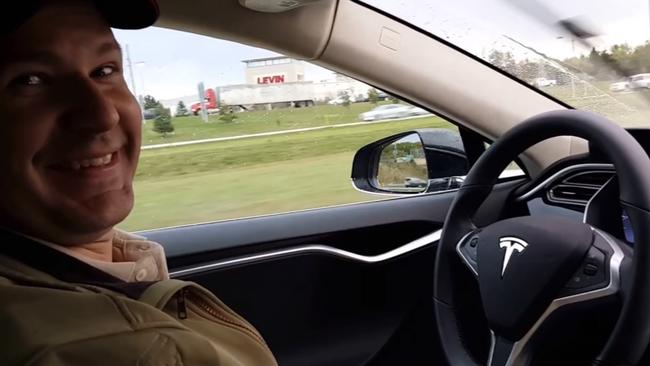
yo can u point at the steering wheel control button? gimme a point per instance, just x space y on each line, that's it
590 276
590 269
523 263
472 250
468 250
473 243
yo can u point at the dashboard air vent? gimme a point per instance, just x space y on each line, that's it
572 194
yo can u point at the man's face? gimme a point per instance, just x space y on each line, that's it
69 127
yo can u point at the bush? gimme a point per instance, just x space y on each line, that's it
373 96
163 122
227 114
345 97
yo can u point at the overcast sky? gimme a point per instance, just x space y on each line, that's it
169 64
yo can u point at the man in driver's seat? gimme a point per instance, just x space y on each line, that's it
73 289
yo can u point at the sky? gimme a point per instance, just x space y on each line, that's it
169 64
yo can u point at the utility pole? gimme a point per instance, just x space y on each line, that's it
135 93
128 62
204 112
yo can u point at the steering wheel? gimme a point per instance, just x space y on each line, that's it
524 268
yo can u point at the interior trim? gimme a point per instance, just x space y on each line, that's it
462 256
588 205
566 180
561 173
312 249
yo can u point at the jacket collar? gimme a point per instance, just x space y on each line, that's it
62 266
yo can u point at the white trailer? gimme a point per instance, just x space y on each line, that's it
298 94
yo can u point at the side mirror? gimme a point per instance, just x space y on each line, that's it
420 161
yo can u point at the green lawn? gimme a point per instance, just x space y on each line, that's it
255 176
193 128
242 192
629 109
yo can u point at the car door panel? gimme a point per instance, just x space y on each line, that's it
344 301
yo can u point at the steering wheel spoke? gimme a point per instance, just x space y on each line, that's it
599 273
503 352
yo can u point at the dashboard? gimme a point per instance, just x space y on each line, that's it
583 188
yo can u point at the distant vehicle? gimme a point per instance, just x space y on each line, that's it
382 95
542 82
619 86
388 111
341 100
417 111
211 103
150 113
639 81
413 182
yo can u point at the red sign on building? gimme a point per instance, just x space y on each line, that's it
275 79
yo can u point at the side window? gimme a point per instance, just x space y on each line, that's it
512 170
235 131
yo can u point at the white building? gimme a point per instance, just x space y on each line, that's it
274 70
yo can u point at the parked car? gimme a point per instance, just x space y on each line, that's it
150 113
382 95
340 100
387 111
543 82
414 182
640 81
619 86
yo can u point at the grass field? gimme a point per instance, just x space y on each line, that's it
255 176
629 109
193 128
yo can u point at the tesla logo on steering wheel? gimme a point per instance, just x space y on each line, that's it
511 245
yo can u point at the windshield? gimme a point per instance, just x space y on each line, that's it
576 51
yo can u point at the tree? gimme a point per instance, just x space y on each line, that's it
181 109
640 59
503 60
621 54
373 96
227 113
528 70
393 99
151 102
163 122
345 97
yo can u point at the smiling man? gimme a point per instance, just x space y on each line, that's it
73 289
70 131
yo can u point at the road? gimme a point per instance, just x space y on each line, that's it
273 133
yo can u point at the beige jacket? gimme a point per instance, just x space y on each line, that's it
56 310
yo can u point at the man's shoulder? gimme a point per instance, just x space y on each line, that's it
13 271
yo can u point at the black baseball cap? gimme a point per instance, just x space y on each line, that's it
121 14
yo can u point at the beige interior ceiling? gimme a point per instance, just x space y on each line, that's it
302 32
357 41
